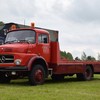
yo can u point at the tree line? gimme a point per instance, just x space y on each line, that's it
84 57
65 55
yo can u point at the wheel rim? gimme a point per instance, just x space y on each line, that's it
88 73
38 76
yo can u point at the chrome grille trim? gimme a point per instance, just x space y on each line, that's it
6 58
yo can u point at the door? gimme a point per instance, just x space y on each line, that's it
43 46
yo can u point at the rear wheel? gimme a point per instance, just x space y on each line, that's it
37 75
87 75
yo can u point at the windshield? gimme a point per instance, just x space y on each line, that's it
21 36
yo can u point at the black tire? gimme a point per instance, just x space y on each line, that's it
37 75
87 75
57 77
5 79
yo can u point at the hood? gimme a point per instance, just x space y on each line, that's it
18 48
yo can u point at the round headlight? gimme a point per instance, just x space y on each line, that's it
17 61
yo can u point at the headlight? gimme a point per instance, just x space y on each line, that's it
17 61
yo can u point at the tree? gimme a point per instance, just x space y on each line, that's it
91 58
83 57
63 54
77 58
1 23
99 56
68 55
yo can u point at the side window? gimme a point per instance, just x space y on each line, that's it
43 38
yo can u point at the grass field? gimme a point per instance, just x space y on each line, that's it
69 89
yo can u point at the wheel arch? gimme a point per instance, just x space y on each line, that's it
38 60
87 74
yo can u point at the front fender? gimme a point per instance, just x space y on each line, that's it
33 60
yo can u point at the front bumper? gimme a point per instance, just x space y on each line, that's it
15 68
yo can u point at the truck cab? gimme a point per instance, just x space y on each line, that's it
24 51
33 42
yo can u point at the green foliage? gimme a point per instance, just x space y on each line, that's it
1 23
91 58
88 58
68 55
63 54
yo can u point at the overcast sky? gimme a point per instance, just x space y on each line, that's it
78 21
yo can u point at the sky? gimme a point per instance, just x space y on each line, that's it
78 21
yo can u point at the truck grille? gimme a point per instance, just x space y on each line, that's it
6 58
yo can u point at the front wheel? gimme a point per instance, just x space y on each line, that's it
4 78
37 75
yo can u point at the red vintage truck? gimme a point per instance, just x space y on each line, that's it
35 53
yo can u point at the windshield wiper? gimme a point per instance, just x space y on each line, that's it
23 41
13 41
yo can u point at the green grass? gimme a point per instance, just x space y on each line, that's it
69 89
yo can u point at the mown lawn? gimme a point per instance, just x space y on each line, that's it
70 89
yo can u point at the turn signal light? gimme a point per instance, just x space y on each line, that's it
32 25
